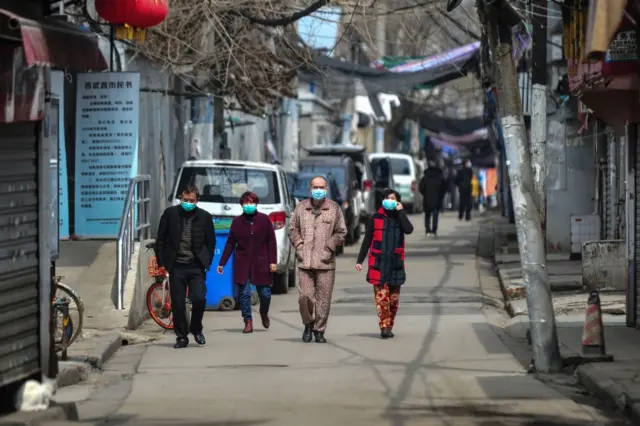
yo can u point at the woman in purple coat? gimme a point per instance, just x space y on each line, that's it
254 241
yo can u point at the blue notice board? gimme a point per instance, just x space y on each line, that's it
107 111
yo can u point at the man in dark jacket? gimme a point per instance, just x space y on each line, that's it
463 181
432 188
185 246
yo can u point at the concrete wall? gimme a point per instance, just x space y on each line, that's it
247 142
162 145
571 176
138 274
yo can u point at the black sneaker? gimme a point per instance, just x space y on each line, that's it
307 333
181 343
384 333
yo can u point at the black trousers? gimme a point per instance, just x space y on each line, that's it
431 215
465 205
189 276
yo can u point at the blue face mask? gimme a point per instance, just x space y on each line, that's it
187 207
319 194
249 208
389 204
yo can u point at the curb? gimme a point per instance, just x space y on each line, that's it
502 279
71 373
56 412
78 370
609 391
485 259
107 346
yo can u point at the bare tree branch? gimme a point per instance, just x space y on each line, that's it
287 20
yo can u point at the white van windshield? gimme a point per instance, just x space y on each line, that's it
227 184
400 166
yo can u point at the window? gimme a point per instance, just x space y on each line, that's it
227 184
338 172
400 166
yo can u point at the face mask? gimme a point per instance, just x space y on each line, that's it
249 208
318 194
187 207
389 204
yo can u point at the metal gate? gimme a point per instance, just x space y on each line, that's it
19 271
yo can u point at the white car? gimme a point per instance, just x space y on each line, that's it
403 169
222 182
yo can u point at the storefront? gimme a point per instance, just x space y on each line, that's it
29 49
607 84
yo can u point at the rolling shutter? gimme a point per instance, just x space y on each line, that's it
19 273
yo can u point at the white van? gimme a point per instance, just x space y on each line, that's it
404 171
222 182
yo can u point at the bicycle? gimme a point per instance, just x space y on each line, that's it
66 305
160 307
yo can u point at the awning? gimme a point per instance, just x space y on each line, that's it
342 75
604 18
53 43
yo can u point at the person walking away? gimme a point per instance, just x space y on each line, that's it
317 229
475 191
463 182
384 242
253 240
185 246
432 187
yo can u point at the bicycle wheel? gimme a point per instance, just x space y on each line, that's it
159 305
76 314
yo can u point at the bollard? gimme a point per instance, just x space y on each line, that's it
66 323
593 346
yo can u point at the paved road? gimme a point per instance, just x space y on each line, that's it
445 366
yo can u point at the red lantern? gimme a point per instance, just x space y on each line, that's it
135 13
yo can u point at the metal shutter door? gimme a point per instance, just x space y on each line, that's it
19 304
636 207
621 214
606 193
610 184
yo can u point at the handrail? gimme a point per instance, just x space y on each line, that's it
134 226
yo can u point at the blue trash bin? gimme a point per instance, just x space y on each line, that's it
222 294
220 288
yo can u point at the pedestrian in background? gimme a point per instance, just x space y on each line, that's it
253 240
317 229
432 187
384 242
475 191
463 182
185 246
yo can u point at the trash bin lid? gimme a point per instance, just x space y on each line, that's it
222 225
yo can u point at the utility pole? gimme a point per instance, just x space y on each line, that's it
539 109
218 125
531 243
381 47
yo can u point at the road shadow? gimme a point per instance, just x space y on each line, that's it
367 335
131 420
487 415
239 330
290 339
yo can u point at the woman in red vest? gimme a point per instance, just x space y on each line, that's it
384 241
